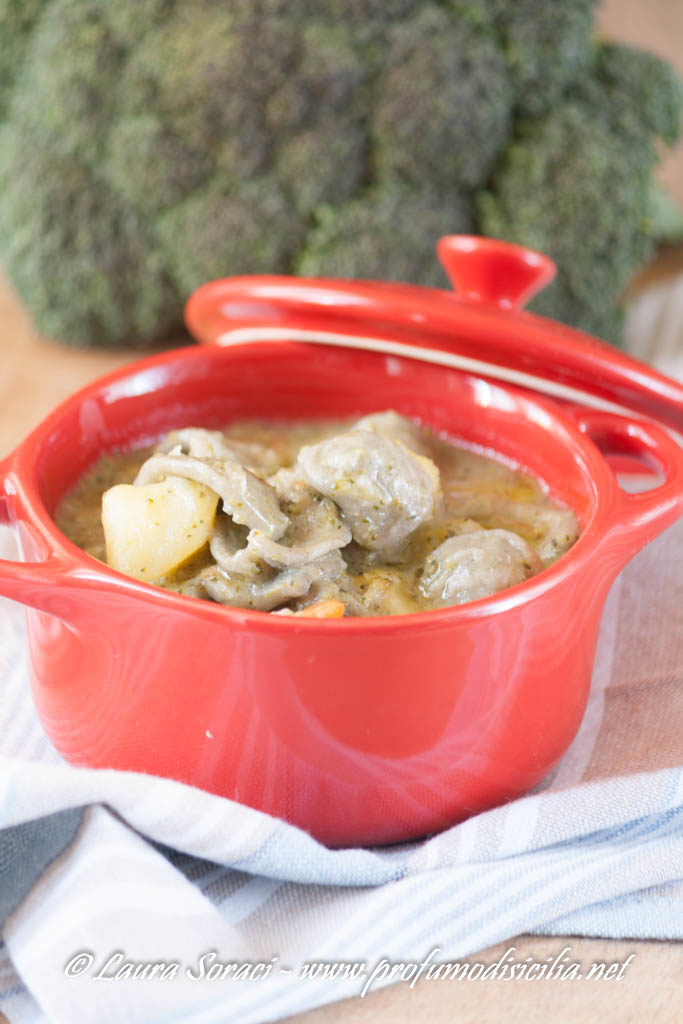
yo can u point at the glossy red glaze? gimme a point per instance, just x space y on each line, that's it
358 730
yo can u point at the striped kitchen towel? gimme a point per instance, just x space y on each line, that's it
106 874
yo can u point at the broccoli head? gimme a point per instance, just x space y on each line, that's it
147 147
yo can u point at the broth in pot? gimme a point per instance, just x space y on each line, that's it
377 516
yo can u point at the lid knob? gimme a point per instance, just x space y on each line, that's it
491 271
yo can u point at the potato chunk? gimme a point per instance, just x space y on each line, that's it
151 530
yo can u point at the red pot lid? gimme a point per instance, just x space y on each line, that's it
481 327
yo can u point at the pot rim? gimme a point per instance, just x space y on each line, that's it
65 561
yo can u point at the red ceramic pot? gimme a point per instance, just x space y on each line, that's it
358 730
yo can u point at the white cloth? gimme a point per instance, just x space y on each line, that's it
653 329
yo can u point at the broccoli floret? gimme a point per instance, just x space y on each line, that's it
443 81
17 18
63 100
82 262
316 120
249 229
167 168
378 232
131 21
577 184
639 93
547 46
148 146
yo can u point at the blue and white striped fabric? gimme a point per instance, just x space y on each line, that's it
165 873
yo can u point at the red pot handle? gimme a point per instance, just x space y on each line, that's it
488 270
31 583
647 514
